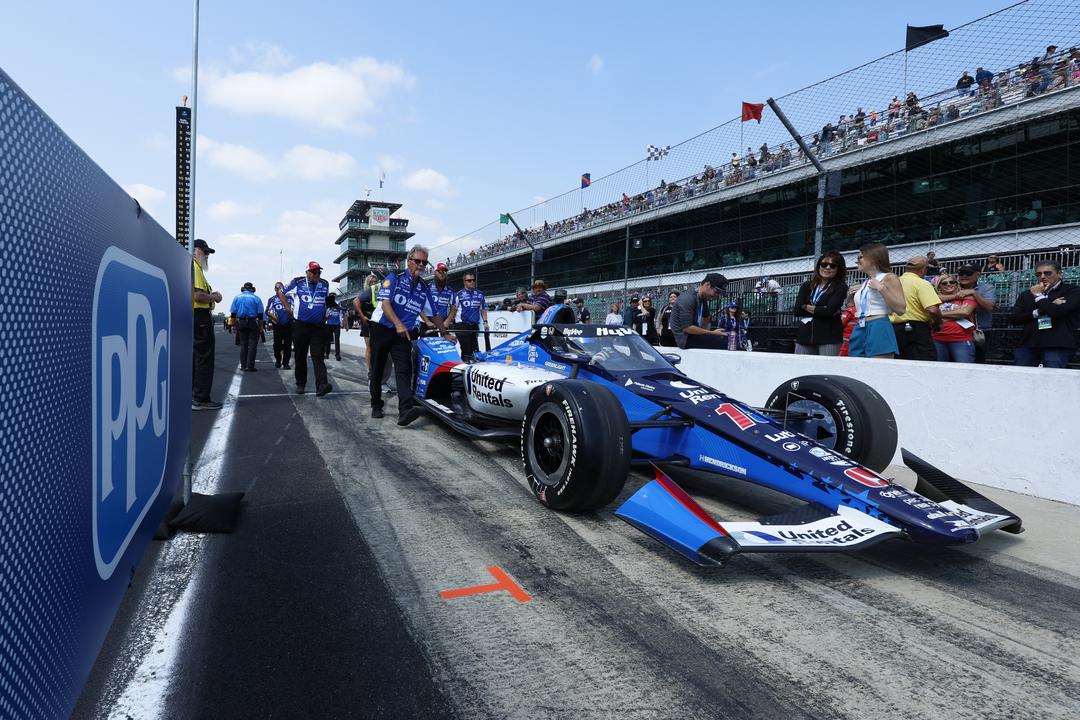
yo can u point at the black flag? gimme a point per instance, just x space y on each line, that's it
919 36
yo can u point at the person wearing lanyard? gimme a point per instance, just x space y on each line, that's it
203 298
304 299
333 326
282 326
473 306
402 297
881 293
247 314
818 307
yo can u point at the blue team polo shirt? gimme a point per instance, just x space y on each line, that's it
408 297
308 300
470 302
442 300
246 305
274 305
333 316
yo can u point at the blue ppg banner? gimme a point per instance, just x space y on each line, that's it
95 386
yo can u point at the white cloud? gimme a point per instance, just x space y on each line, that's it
435 204
261 56
237 159
390 163
329 95
149 197
431 181
312 163
228 210
596 64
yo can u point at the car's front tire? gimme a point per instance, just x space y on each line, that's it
861 422
575 445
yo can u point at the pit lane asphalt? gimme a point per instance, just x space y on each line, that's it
325 602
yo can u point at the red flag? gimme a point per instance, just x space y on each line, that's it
752 111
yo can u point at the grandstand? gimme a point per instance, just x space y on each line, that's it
963 174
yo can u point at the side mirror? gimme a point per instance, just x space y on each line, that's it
673 358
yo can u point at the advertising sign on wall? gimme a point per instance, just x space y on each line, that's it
96 413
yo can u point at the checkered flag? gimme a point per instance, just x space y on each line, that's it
655 153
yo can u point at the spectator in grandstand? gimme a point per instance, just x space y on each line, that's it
521 296
583 314
984 296
667 339
954 340
963 85
894 108
993 265
983 77
913 326
933 267
645 321
827 135
878 295
1050 314
818 307
689 317
613 316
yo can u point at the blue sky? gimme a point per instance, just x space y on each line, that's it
469 108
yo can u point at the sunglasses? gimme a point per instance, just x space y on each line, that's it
470 279
945 283
828 265
1044 273
538 287
421 263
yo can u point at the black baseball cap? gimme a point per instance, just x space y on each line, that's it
717 280
248 286
560 293
967 270
201 244
578 301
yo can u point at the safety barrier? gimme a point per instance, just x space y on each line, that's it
1006 427
94 408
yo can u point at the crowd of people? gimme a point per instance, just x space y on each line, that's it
924 313
1049 71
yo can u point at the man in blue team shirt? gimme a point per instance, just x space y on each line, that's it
442 296
305 301
247 314
282 326
402 297
472 307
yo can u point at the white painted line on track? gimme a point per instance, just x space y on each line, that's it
145 694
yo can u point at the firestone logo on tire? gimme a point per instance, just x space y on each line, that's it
130 408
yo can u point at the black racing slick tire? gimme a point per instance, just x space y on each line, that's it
575 445
862 423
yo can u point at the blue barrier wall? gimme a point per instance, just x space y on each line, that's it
95 376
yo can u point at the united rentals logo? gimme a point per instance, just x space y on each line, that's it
130 364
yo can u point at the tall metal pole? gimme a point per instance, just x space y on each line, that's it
819 223
186 479
626 264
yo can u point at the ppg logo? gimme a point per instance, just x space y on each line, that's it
131 395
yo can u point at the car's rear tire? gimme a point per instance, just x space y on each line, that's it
863 424
575 445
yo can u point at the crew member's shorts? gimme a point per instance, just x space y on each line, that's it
877 338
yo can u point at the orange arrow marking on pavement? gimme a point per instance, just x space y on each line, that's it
504 583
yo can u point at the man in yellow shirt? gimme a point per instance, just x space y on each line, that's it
203 298
923 312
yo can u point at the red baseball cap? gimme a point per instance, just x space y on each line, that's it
314 266
441 266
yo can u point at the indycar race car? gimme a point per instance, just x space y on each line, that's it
587 402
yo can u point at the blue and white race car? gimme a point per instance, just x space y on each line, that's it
587 402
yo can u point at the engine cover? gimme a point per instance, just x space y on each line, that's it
503 390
